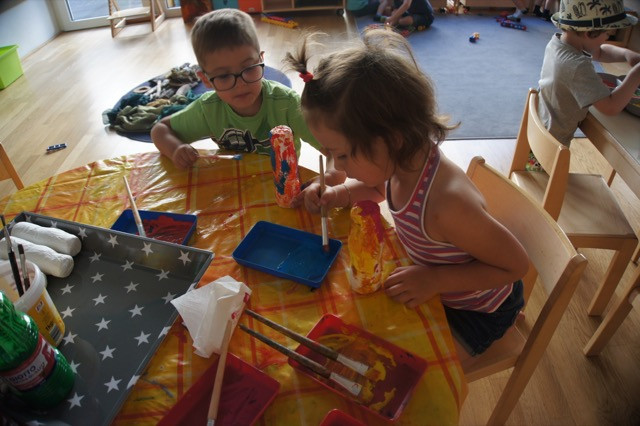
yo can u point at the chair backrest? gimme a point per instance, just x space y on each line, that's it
7 171
551 254
553 156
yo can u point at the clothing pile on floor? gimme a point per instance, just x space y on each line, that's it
141 108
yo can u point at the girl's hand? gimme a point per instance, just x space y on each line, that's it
184 156
310 197
411 285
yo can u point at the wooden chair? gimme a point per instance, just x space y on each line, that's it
583 204
617 314
558 268
151 10
7 171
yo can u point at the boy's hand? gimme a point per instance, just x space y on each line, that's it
410 285
184 156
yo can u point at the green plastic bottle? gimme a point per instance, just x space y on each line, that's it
37 372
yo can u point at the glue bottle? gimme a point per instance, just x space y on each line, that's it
36 371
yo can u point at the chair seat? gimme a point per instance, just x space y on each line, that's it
130 13
589 209
502 354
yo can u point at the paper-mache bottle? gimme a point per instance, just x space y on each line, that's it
284 162
366 247
36 371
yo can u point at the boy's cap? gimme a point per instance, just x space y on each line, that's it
582 15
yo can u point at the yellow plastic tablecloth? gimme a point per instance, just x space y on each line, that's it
229 196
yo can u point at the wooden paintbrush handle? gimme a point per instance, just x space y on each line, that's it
309 363
217 384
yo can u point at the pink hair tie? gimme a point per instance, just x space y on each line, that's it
306 76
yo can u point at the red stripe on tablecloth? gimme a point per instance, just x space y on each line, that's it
436 349
180 366
47 185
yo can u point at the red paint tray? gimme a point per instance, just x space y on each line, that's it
246 393
366 347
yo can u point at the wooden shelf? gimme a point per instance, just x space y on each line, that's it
269 6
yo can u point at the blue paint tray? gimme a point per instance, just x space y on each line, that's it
287 253
170 227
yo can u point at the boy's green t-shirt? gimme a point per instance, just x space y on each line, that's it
209 116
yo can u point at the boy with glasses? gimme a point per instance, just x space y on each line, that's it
569 84
243 107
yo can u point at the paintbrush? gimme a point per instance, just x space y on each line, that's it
217 384
352 387
12 258
25 272
134 209
326 351
323 210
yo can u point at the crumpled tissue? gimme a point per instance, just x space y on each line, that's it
206 310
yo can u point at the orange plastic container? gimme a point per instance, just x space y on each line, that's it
250 6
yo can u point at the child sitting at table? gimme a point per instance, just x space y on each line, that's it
569 84
243 108
375 112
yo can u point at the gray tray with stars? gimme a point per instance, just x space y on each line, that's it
116 309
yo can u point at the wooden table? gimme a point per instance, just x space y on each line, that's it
618 140
228 197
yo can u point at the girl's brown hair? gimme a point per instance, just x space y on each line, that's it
373 89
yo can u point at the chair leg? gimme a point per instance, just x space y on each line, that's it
614 273
636 255
614 318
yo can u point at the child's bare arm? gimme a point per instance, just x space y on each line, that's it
621 95
397 13
183 155
610 53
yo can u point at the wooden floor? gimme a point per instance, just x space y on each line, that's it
69 82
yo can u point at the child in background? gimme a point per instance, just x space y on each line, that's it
243 108
374 111
569 84
405 13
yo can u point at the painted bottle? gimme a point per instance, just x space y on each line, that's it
36 371
284 162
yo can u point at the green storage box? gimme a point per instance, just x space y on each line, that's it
10 68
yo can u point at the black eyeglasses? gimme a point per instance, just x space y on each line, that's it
250 74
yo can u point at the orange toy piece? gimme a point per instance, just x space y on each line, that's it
278 20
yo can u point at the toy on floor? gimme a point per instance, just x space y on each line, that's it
504 22
473 37
279 20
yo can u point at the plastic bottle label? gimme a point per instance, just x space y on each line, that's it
34 370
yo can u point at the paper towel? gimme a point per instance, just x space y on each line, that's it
48 260
206 310
54 238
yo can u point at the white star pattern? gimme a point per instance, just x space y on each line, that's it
131 287
142 338
103 324
99 299
68 312
184 256
66 289
127 265
137 310
74 366
54 224
169 297
112 384
113 241
133 381
162 275
147 248
107 353
82 233
97 277
164 332
75 401
29 219
70 338
95 257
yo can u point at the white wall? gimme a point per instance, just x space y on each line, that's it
27 23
